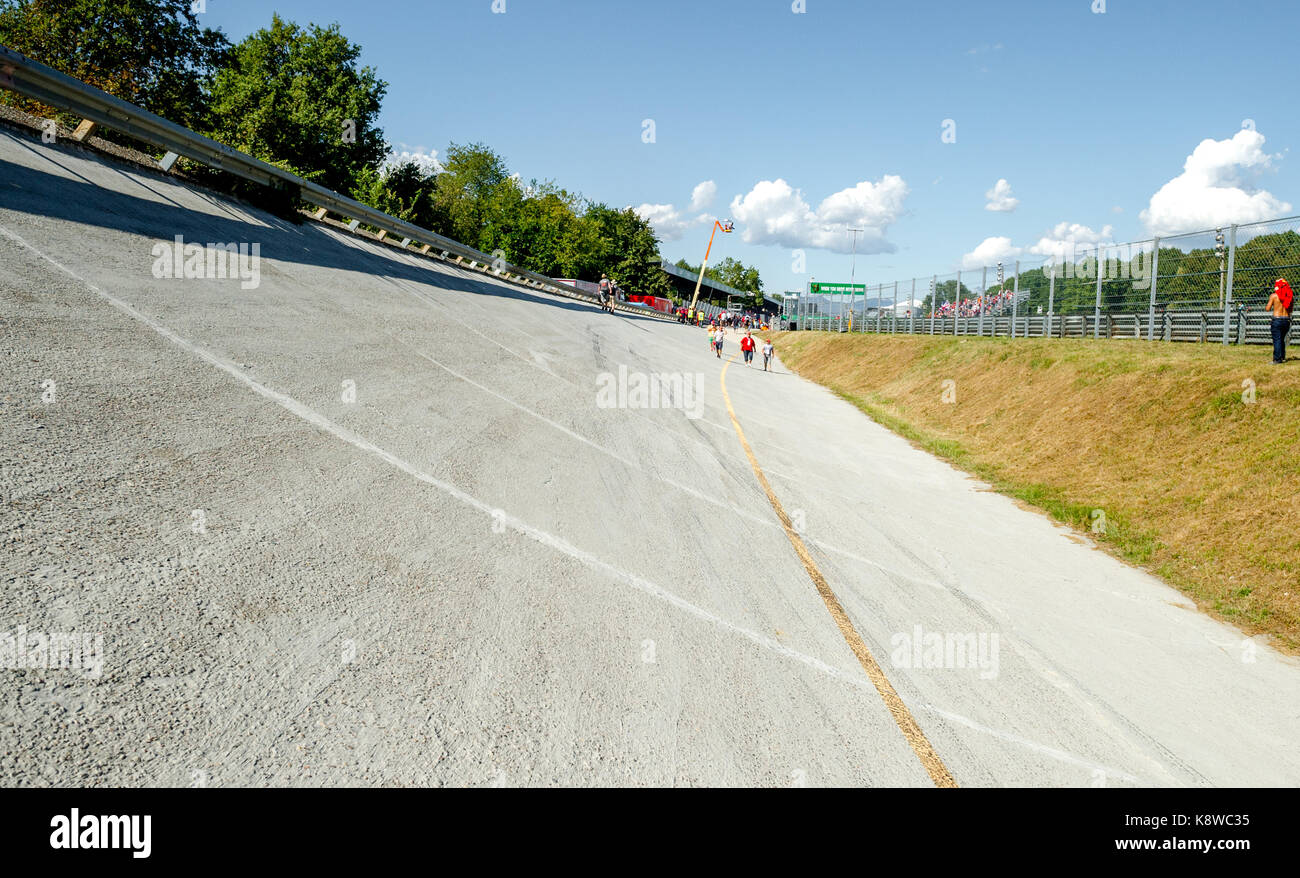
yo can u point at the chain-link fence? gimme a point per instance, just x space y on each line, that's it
1202 286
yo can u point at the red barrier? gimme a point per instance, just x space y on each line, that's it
659 304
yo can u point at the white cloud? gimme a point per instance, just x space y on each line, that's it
668 222
773 212
1215 188
1000 198
703 195
1064 242
1060 243
427 160
991 251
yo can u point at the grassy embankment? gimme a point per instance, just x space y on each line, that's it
1196 485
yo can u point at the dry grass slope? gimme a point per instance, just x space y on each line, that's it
1196 485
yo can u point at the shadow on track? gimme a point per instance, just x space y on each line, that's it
80 200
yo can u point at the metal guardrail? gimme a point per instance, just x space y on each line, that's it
1244 326
35 80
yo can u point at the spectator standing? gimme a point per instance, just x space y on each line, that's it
1279 306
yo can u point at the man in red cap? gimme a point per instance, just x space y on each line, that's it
1279 305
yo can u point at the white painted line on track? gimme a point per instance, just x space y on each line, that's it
518 525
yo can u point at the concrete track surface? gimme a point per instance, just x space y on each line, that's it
477 574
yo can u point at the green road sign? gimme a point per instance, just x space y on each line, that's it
838 289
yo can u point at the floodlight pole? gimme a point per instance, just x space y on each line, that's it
853 267
716 225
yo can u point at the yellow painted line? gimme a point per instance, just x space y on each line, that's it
907 724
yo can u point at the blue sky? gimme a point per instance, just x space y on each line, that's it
1087 116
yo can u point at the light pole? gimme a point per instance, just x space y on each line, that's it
853 267
726 226
1219 252
812 285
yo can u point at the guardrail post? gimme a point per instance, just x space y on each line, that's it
1227 298
1096 312
84 130
1155 273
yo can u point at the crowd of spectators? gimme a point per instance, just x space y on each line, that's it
991 302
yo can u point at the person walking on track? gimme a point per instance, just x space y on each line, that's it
747 347
768 350
606 294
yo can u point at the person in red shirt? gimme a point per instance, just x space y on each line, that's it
1279 306
747 347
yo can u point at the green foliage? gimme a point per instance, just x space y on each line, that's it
296 97
631 250
734 273
1188 279
404 190
475 191
152 53
542 227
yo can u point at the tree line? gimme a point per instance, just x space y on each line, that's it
1194 278
297 97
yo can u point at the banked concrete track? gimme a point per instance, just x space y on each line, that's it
476 574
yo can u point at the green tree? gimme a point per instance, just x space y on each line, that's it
541 228
152 53
631 254
296 97
733 273
476 195
404 190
